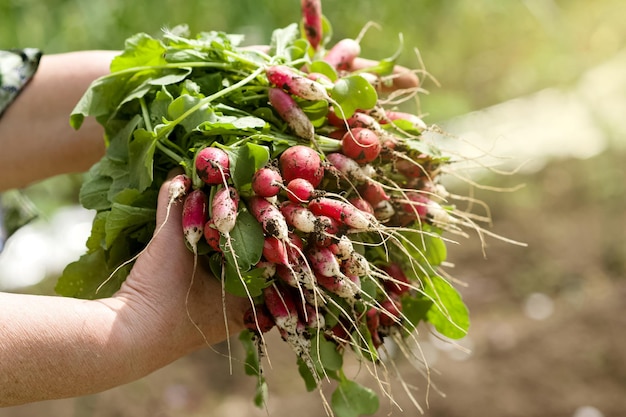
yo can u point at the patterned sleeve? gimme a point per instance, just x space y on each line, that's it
17 67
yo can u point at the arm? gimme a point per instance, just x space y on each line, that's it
36 140
54 347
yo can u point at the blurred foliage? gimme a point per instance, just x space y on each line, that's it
481 51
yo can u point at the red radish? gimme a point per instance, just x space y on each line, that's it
270 218
195 210
324 262
372 319
312 21
347 167
300 218
320 78
300 190
362 205
295 275
291 113
269 269
179 187
212 235
410 169
358 119
337 133
287 79
282 307
356 265
301 162
258 319
373 192
274 251
384 211
416 122
339 285
212 165
224 209
294 247
343 53
398 283
311 317
266 182
341 211
361 144
343 248
390 312
326 231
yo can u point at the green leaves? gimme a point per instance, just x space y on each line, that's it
448 313
352 93
353 400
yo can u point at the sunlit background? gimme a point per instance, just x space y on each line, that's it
533 91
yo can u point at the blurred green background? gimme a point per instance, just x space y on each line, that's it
481 51
545 78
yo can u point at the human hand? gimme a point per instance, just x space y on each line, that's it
170 305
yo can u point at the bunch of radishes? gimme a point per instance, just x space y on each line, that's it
308 193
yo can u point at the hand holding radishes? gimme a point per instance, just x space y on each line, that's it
311 201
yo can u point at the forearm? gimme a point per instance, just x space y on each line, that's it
36 140
55 347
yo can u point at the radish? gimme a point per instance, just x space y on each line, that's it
301 162
373 324
358 119
289 80
384 211
356 265
343 53
195 211
362 205
300 190
410 169
339 285
361 144
282 307
290 112
266 182
324 262
269 269
388 116
343 248
346 166
312 21
296 275
178 188
212 235
300 218
373 192
270 218
311 316
274 251
341 211
391 311
224 209
258 319
397 282
326 231
212 165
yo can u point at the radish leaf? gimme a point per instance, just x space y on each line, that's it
352 93
448 314
352 400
